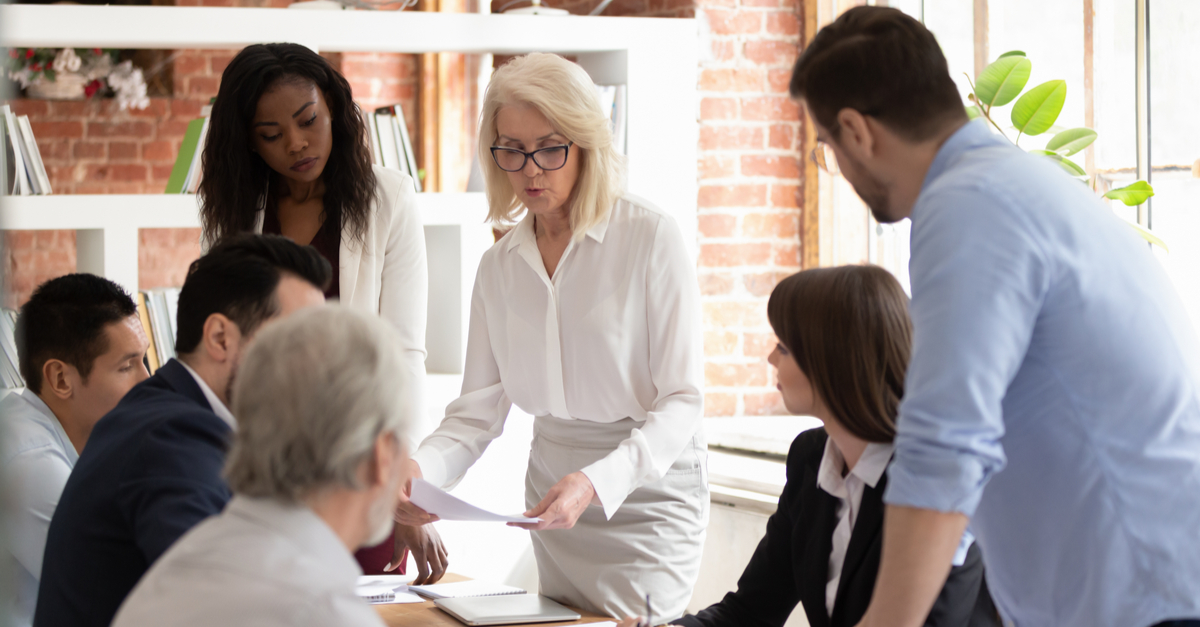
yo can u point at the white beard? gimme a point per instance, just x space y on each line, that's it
380 519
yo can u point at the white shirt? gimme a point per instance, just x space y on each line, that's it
849 492
260 562
36 457
615 334
214 401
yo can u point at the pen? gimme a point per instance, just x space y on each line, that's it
649 613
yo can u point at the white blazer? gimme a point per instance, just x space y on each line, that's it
388 273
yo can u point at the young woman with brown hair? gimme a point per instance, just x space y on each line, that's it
844 344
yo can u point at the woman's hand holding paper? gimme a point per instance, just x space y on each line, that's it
563 505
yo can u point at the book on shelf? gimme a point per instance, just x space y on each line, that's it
24 171
392 147
612 101
189 153
152 362
160 307
37 173
10 363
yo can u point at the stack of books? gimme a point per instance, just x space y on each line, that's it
390 143
10 368
157 309
186 174
22 172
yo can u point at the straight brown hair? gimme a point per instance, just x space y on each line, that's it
848 329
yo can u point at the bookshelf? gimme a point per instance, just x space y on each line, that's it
655 58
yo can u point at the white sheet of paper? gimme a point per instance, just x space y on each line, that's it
372 585
448 507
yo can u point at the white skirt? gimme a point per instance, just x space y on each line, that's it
653 543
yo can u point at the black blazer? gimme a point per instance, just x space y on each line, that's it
150 471
791 563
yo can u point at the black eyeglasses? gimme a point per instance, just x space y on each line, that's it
513 160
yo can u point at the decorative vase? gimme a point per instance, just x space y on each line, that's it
66 86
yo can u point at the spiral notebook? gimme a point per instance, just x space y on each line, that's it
464 589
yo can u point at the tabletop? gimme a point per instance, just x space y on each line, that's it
426 614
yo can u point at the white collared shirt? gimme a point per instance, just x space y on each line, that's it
214 401
849 492
259 562
614 334
37 457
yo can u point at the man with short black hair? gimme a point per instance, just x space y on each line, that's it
152 469
1053 397
80 345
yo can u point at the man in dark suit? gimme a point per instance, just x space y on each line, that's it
152 468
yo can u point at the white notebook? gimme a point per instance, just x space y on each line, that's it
463 589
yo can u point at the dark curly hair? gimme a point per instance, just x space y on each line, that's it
236 180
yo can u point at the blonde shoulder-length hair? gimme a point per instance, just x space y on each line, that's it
564 93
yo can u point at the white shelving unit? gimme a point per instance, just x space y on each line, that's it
655 58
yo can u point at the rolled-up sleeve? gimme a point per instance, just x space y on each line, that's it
676 356
978 279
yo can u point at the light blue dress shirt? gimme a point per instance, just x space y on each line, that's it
37 457
1053 395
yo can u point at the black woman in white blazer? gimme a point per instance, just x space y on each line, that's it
286 152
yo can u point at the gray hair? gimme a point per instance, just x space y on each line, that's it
313 393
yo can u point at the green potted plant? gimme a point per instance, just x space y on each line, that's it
1035 113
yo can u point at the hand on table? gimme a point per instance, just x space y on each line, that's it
406 513
427 550
563 505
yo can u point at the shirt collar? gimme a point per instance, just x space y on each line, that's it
36 401
523 232
970 135
301 526
214 402
869 469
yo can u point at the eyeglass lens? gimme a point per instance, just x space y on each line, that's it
512 160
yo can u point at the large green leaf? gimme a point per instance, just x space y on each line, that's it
1071 141
1035 112
1148 235
1002 81
1070 167
1133 194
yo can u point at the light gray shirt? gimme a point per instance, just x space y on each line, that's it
260 562
36 457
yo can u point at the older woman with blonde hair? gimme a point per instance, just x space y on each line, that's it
586 316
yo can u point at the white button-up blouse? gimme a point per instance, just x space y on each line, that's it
615 334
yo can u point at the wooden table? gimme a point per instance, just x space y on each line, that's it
426 614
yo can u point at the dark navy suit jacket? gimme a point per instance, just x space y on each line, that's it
151 471
791 564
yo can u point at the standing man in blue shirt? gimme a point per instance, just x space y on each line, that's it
1053 398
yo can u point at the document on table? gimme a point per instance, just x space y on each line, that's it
384 589
448 507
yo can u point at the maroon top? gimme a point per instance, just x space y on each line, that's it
328 242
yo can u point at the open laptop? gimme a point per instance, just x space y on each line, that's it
506 610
